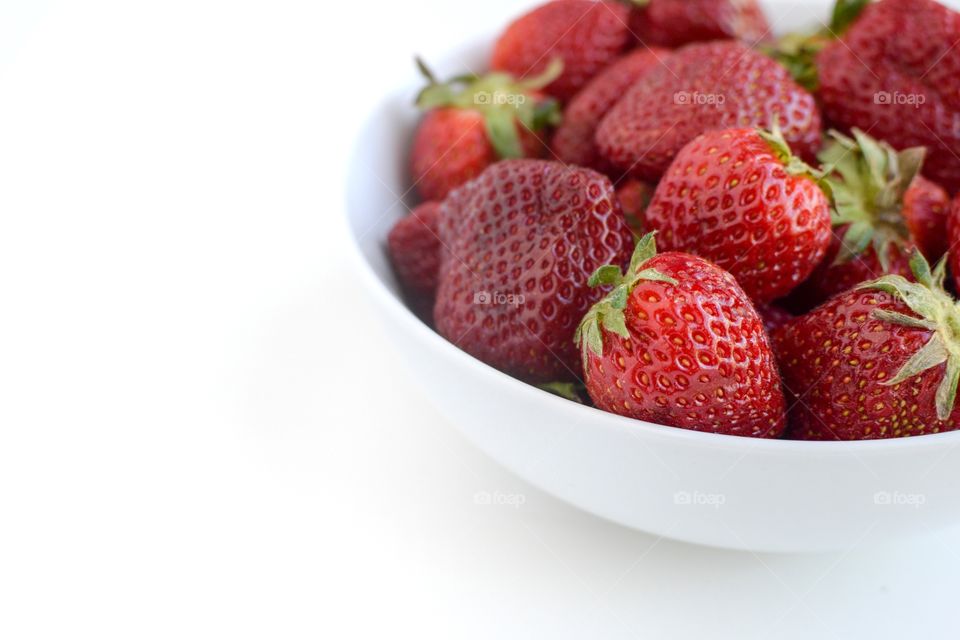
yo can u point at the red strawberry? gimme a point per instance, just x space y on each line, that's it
450 147
880 361
953 235
414 248
718 85
925 207
521 241
774 317
586 34
677 342
869 181
896 74
634 197
738 197
573 142
472 122
672 23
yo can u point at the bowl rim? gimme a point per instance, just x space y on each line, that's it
389 300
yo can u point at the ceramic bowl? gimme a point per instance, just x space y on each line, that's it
723 491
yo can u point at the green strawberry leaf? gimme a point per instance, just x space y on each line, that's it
921 269
605 275
854 242
947 391
645 249
845 13
868 180
901 318
616 323
938 313
566 390
501 126
608 313
934 352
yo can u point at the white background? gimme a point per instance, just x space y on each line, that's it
202 432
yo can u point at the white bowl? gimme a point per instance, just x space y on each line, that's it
723 491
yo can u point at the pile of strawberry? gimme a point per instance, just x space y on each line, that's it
798 190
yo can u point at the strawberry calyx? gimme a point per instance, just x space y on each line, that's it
935 311
608 312
868 180
845 13
500 98
793 164
798 51
573 391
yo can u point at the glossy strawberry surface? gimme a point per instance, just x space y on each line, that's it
896 74
520 242
953 236
697 355
634 197
587 35
926 207
717 85
450 148
672 23
837 362
731 198
574 140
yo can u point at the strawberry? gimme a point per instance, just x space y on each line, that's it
739 198
672 23
634 197
879 361
677 342
926 207
953 236
586 34
521 241
869 181
717 85
472 122
573 141
896 73
414 248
